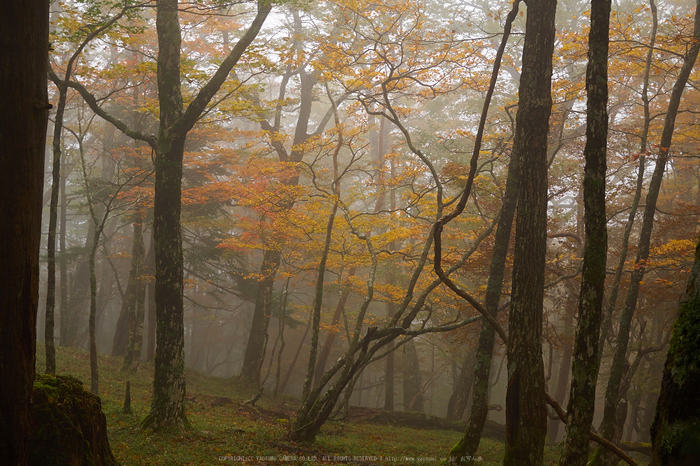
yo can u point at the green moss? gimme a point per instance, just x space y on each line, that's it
68 427
681 440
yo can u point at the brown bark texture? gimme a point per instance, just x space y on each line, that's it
24 28
526 416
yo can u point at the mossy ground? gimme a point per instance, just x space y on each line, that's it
224 432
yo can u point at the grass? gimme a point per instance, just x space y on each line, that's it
229 433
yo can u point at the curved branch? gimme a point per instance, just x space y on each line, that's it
91 100
459 208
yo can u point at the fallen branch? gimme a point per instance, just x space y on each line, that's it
595 437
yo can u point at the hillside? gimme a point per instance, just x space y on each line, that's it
224 430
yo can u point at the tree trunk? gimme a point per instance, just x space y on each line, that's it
526 416
330 338
168 408
676 428
51 241
132 356
70 427
126 324
24 28
121 330
150 270
584 369
648 417
389 367
318 304
469 443
562 378
254 354
168 404
612 394
290 369
412 384
80 287
94 376
252 360
62 259
463 387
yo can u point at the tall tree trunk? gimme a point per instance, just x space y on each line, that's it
562 378
168 404
412 383
459 399
94 376
121 330
584 369
389 367
126 322
469 443
526 416
24 28
51 241
676 428
614 291
466 448
98 228
62 258
80 287
612 394
330 338
318 305
254 353
132 356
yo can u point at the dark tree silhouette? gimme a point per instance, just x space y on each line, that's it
584 367
24 48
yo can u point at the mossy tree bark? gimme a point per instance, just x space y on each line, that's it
675 432
69 426
168 405
584 369
24 29
526 415
613 394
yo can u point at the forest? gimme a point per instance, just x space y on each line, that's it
350 232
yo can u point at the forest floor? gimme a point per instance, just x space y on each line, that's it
224 430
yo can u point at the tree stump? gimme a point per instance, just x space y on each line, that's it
68 425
